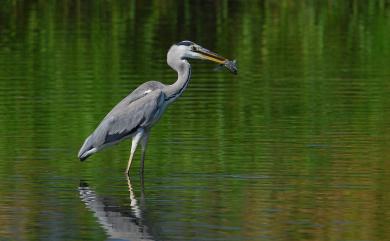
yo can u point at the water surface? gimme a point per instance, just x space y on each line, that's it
295 147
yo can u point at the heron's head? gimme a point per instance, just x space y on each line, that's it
189 50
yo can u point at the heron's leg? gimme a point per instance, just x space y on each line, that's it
144 143
136 138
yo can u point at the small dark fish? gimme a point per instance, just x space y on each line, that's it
230 65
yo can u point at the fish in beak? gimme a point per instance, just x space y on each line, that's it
216 58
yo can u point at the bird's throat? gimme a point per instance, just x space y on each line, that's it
175 90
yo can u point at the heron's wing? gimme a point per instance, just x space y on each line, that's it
138 93
125 118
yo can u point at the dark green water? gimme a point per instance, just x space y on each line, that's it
295 147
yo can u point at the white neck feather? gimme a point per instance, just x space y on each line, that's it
183 68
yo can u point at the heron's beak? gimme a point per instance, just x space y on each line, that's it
207 54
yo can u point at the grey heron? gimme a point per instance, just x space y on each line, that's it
137 113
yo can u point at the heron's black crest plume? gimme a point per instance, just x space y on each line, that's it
185 43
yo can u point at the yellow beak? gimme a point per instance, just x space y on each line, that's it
207 54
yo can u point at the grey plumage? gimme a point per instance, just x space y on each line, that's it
135 115
121 122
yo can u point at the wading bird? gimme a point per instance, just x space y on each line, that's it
136 114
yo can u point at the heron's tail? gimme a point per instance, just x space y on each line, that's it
87 149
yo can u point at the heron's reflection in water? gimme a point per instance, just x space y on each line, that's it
119 222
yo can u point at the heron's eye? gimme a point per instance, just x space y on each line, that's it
193 48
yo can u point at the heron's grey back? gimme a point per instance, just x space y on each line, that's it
125 119
134 111
136 94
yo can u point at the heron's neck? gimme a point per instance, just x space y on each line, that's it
173 91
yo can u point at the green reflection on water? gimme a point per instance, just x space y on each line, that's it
294 147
